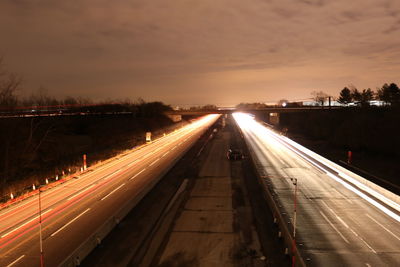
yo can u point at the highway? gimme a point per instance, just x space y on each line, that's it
339 221
73 211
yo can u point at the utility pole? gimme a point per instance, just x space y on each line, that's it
84 162
294 223
40 231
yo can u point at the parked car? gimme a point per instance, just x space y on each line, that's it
234 154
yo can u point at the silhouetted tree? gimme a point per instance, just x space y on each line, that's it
366 96
9 84
390 94
250 106
209 107
356 95
69 100
345 96
319 97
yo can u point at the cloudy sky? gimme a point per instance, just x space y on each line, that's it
200 51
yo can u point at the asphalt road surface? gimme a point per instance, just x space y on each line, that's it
73 211
216 216
337 223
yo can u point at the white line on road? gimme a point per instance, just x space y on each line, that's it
333 226
367 264
148 154
53 234
111 174
173 148
14 262
334 213
133 177
80 192
348 227
15 229
130 164
151 164
165 154
113 191
390 232
365 242
159 148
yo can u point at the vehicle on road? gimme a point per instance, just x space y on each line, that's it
234 154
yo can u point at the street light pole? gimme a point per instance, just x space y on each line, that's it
40 231
294 223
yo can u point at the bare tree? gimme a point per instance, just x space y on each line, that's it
319 97
9 84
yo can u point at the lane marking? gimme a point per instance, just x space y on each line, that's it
348 227
148 154
173 148
80 192
133 177
53 234
113 191
334 227
390 232
111 174
151 164
130 164
14 262
367 264
15 229
165 154
155 150
365 242
334 213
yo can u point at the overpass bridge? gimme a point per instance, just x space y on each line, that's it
271 114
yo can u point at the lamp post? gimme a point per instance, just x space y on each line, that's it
294 222
40 230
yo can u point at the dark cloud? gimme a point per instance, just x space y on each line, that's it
210 51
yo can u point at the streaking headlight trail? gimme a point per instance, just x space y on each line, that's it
389 201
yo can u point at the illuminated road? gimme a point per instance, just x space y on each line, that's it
340 222
73 211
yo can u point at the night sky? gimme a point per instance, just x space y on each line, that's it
196 52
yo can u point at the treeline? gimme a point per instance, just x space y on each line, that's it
207 107
11 102
389 94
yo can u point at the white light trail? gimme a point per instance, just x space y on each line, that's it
248 124
15 229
